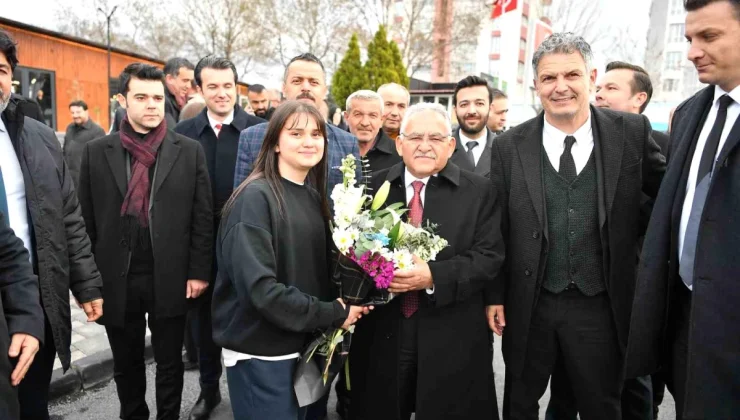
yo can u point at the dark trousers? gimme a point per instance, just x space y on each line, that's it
127 345
191 350
579 330
33 392
408 362
675 374
637 401
261 390
209 354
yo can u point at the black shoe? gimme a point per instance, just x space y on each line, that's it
204 406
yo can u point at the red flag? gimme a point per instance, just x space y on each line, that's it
502 6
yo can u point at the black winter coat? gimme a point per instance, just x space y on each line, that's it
62 252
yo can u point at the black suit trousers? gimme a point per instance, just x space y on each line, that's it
579 330
127 345
33 392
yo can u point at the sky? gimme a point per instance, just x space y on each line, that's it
43 13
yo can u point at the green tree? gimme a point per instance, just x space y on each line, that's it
350 76
380 67
398 63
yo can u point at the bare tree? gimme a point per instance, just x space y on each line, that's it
583 17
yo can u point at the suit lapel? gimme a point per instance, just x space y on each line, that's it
117 162
484 163
732 141
608 145
529 146
460 156
165 160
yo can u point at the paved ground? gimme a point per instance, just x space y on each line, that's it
102 403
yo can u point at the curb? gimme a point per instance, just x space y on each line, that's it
88 372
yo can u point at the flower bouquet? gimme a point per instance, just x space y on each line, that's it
370 244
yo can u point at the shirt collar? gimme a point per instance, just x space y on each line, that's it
465 139
226 121
735 94
408 179
3 129
583 135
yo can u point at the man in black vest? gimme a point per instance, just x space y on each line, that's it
624 87
685 315
473 139
571 181
217 129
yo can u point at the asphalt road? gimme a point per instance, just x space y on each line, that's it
102 403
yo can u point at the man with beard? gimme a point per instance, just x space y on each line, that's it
179 81
396 100
79 132
499 110
473 140
259 102
43 211
304 80
217 129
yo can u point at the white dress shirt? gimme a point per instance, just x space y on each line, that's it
409 179
732 114
478 150
554 142
15 189
213 122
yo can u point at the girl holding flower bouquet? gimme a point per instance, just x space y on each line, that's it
273 287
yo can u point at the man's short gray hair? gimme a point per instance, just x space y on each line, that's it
563 43
396 86
364 95
421 107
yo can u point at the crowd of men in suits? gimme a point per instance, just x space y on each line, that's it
601 251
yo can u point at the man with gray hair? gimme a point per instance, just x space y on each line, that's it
364 118
396 100
428 351
571 182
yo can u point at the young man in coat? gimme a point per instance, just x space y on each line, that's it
571 182
428 351
685 315
147 203
21 315
217 129
44 212
79 132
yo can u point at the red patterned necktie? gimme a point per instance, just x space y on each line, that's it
410 300
218 129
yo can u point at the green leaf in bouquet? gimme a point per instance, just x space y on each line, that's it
395 207
394 234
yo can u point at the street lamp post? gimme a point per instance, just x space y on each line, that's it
108 16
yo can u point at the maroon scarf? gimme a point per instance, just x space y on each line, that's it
143 153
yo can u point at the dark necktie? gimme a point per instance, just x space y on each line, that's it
3 200
567 164
703 178
410 300
472 144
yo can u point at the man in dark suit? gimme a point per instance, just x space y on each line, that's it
364 118
571 182
624 87
685 315
21 315
217 129
147 203
427 351
473 139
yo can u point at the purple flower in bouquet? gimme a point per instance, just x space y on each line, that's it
375 265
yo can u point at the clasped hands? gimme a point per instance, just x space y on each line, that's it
417 278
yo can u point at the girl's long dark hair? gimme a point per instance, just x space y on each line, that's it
266 165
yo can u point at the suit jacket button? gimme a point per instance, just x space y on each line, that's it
527 272
123 274
535 234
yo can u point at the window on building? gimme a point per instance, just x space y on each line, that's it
414 100
38 86
673 60
525 21
523 44
676 7
676 32
670 85
496 45
520 71
428 99
444 101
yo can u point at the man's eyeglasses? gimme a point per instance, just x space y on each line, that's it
433 138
